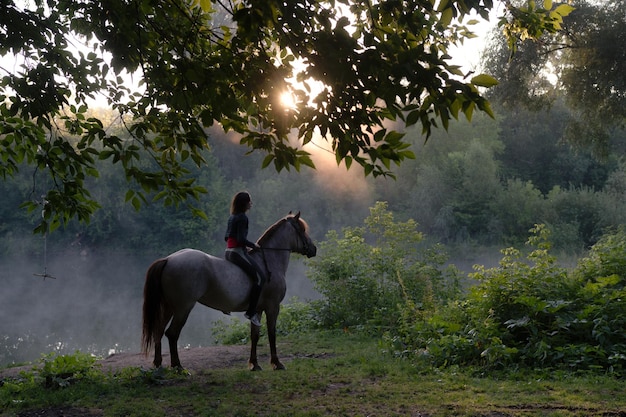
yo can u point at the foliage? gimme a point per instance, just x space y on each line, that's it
577 211
366 275
487 183
518 158
234 332
532 21
547 160
211 64
606 258
532 313
602 298
296 317
59 371
582 64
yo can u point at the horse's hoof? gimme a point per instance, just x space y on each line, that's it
278 366
254 367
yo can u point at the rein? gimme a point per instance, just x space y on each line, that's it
262 249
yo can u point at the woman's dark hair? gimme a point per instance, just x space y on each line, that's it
240 202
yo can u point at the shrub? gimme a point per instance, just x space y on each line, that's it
367 275
602 299
529 312
59 371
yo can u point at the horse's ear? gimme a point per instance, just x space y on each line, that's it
297 216
289 212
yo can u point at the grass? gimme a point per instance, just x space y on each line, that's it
328 374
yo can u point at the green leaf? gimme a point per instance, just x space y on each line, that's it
129 194
394 137
484 80
446 17
348 161
564 9
412 118
206 5
267 160
199 213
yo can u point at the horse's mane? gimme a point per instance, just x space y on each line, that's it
272 229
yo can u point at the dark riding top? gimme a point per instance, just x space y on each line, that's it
236 241
237 232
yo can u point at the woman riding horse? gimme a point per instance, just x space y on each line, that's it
236 250
175 284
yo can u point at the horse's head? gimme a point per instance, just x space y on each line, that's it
291 234
305 243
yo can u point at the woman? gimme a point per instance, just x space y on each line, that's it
236 250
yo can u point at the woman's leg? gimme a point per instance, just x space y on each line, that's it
258 279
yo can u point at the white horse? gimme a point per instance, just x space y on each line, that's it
175 283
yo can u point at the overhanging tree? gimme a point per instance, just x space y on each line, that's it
583 65
203 63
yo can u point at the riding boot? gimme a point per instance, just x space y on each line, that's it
251 314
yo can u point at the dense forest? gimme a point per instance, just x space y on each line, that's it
475 189
484 183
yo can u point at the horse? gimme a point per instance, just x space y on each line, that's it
174 285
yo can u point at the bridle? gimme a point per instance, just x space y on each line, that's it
301 234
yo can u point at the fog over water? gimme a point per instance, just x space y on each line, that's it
93 304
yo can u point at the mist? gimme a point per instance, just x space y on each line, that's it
92 302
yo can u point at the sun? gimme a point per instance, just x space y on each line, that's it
287 100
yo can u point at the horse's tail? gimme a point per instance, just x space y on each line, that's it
153 308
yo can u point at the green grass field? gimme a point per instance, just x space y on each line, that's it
328 374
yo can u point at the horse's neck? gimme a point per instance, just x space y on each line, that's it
275 256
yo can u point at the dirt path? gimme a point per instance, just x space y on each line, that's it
194 359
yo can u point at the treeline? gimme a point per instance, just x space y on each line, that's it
485 183
489 182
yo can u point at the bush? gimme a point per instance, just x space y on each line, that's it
59 371
369 273
529 312
602 299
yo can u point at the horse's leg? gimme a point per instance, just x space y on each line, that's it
272 316
253 363
173 332
158 358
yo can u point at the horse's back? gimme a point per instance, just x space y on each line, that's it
194 276
192 257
